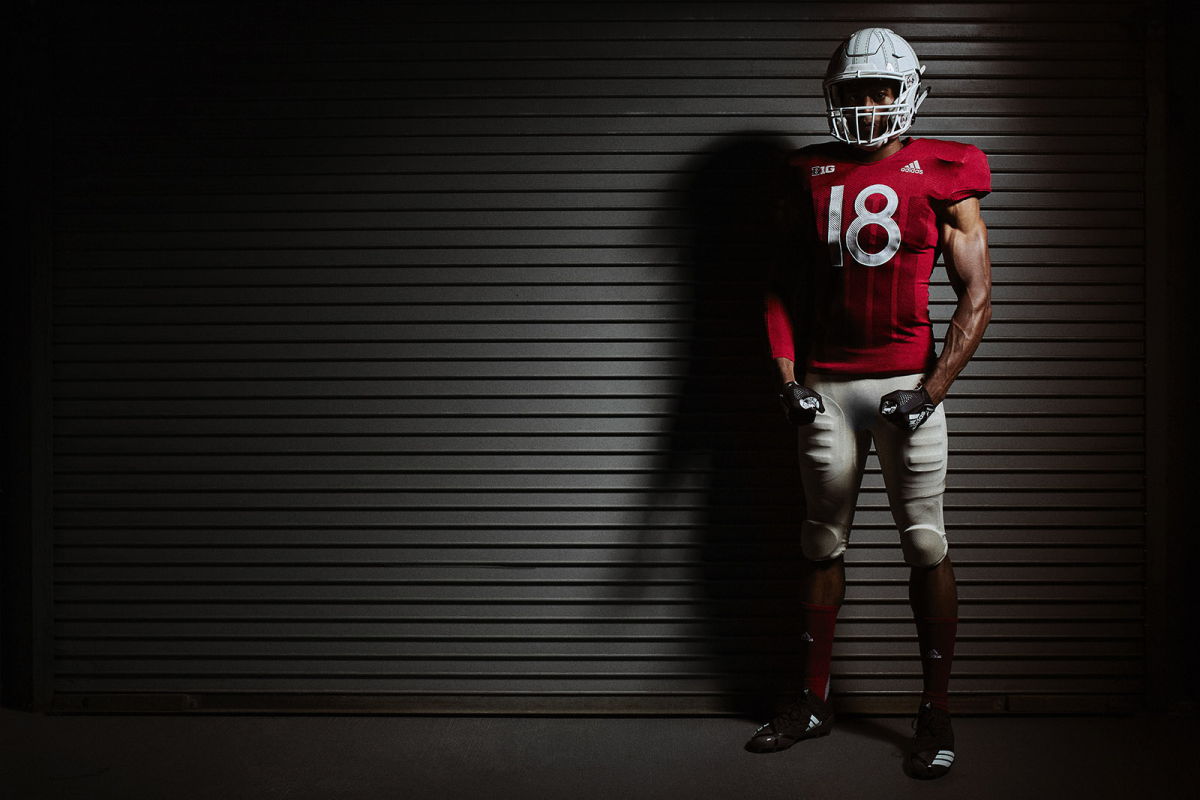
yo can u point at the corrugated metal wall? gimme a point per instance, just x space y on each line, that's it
409 357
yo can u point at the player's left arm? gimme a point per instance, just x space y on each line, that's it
969 267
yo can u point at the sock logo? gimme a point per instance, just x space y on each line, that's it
933 653
807 637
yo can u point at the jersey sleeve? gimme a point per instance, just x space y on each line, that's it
779 299
963 172
779 325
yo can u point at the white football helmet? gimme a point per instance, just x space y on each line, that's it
873 53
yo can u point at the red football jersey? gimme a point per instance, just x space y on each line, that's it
874 244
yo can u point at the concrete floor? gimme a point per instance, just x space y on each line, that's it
352 757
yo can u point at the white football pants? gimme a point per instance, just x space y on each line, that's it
833 453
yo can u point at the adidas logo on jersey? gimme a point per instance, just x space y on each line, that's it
933 653
913 167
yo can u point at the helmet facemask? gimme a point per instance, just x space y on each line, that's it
856 124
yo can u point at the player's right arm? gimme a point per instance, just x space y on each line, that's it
800 404
778 318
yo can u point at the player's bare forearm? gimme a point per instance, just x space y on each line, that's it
963 337
787 369
969 268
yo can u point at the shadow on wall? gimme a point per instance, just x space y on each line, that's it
729 442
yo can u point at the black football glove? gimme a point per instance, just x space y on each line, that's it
907 408
800 403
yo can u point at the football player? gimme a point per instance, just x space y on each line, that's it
877 209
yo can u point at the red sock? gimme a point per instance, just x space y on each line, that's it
936 635
818 623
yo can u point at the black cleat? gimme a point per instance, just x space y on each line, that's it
806 717
932 750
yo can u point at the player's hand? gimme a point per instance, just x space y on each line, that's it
907 408
800 403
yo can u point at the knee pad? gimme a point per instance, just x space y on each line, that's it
923 545
821 541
